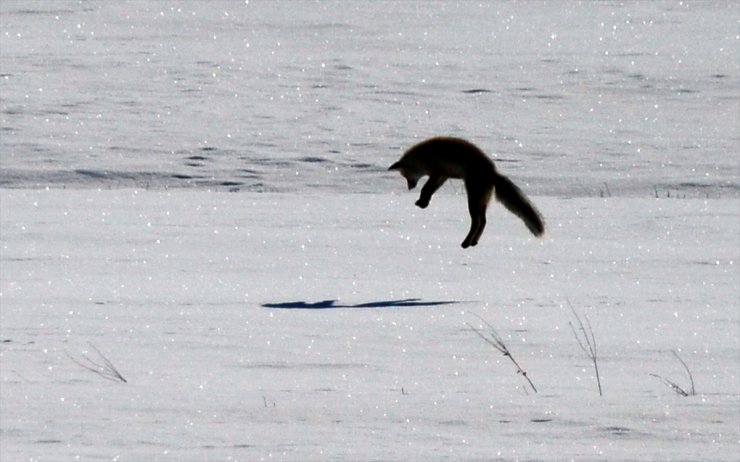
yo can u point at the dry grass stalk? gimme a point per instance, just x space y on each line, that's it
497 342
102 367
587 341
673 385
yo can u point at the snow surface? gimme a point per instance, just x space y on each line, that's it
198 192
275 96
203 302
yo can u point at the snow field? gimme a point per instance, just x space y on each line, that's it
172 287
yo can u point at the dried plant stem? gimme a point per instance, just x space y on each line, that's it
496 342
102 367
691 377
587 341
673 385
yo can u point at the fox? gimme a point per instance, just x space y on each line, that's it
442 158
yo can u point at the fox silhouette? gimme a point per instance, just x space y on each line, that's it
446 157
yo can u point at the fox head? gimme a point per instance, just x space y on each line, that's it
412 175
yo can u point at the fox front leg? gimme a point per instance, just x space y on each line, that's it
433 184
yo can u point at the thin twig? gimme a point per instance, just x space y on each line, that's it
104 369
497 342
673 385
588 345
691 377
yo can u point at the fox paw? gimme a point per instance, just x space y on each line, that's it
422 204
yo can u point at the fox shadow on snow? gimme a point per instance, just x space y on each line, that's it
328 304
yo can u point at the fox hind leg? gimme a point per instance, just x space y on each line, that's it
478 223
477 206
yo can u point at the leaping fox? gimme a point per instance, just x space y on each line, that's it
444 157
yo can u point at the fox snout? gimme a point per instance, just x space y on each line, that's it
411 179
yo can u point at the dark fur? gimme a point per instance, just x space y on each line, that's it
443 158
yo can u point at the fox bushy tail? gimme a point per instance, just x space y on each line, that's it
514 199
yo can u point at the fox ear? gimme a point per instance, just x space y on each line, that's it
396 166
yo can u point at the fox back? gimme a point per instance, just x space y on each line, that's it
444 156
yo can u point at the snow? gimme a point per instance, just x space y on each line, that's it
197 193
276 97
174 287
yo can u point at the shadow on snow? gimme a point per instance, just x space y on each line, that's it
328 304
